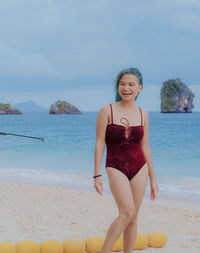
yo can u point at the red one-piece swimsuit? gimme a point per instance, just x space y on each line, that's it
124 151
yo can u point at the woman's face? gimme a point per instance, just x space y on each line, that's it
129 87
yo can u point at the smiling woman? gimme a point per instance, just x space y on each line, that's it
135 81
128 159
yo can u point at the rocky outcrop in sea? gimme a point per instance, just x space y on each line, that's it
63 107
7 109
176 97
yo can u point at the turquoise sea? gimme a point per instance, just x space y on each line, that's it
66 157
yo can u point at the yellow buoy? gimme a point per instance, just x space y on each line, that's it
156 239
74 246
141 242
51 246
118 246
94 244
7 247
27 246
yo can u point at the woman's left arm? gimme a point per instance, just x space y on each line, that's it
148 155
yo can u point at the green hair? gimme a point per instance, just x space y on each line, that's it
133 71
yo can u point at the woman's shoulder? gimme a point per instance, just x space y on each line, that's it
105 108
145 114
109 106
144 111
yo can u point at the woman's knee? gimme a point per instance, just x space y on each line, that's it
134 218
129 214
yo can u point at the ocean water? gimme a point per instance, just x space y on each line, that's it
66 157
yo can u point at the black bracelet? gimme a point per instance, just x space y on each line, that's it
97 176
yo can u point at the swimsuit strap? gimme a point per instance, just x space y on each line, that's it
111 113
141 115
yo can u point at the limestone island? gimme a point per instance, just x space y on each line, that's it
176 97
7 109
63 107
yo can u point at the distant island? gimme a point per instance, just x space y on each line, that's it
176 97
30 106
63 107
7 109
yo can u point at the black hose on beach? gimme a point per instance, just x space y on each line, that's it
26 136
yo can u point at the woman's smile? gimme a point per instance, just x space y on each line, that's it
126 94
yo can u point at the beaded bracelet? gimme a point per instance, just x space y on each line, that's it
97 176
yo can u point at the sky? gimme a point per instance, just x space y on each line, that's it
73 50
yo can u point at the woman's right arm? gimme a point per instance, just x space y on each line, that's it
101 124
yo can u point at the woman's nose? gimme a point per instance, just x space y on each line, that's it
126 87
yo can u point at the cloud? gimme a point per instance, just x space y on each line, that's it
17 63
189 22
61 39
49 47
191 2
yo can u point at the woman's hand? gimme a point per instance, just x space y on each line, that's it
154 189
98 184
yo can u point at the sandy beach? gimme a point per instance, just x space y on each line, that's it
30 212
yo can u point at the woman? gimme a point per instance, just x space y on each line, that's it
123 126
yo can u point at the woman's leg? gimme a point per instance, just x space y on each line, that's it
138 185
122 193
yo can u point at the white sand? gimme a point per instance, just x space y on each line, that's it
40 213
